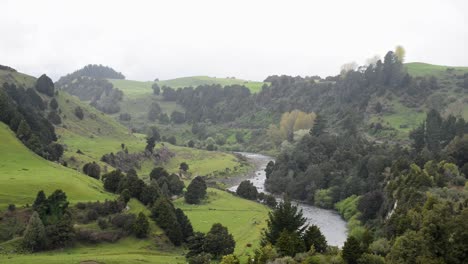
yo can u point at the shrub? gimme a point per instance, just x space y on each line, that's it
102 223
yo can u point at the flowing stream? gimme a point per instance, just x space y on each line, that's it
331 224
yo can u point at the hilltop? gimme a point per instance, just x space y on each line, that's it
426 69
140 87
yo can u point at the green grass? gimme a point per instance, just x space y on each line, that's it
244 219
17 78
23 174
425 69
129 250
135 88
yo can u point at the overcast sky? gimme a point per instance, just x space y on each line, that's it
247 39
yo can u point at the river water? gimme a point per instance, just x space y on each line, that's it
331 224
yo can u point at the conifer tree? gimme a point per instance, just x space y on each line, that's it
34 238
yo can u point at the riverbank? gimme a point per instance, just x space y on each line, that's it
332 225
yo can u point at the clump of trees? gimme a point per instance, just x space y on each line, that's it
175 223
218 242
50 226
23 111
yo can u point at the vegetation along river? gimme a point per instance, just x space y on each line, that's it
330 222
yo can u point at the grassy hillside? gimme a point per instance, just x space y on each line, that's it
424 69
98 134
133 88
17 78
23 174
245 219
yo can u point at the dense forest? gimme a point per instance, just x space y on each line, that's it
412 199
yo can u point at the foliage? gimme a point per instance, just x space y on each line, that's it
45 85
111 180
34 238
247 190
289 243
230 259
196 191
79 113
163 213
352 250
141 226
314 238
285 216
218 241
92 169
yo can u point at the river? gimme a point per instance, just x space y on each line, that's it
331 224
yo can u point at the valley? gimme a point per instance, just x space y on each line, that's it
99 169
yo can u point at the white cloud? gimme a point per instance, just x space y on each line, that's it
246 39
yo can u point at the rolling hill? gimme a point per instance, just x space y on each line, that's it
23 174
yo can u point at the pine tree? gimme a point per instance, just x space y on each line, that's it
320 124
218 241
53 104
313 237
40 204
289 243
351 250
163 213
286 216
34 238
24 131
185 225
433 131
417 135
141 226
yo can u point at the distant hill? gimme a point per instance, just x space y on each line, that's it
132 87
425 69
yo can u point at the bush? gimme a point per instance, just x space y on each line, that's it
102 223
79 113
124 221
92 169
196 191
92 215
247 190
11 207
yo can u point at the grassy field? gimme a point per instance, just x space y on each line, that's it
425 69
245 219
129 250
23 174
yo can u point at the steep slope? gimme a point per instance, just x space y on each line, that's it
23 174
